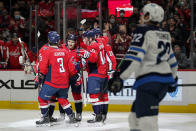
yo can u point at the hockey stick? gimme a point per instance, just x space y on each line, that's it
178 85
83 88
26 55
81 71
192 84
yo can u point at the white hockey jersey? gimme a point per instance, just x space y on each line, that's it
150 56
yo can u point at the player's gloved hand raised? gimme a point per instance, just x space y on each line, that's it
116 83
83 53
173 86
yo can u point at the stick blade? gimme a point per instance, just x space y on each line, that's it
20 40
83 21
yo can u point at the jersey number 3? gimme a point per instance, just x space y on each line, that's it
165 49
60 60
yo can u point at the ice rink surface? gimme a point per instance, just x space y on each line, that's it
24 120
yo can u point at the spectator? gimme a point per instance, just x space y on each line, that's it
23 8
114 27
183 62
4 18
106 31
120 42
175 32
17 24
96 24
46 8
122 19
14 51
135 17
1 6
164 25
4 23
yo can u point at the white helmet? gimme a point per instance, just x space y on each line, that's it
156 12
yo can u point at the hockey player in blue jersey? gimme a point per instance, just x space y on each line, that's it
151 58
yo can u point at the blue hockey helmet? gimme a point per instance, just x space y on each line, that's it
53 37
91 34
97 31
72 37
85 34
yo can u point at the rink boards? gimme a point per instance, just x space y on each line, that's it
17 91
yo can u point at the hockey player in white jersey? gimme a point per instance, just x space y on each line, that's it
151 58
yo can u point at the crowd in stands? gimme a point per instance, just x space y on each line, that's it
14 24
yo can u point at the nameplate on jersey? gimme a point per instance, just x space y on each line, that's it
59 53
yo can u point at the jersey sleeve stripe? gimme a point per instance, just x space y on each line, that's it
171 56
137 49
174 65
133 58
132 53
109 61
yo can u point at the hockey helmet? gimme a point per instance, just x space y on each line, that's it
91 34
97 31
85 34
71 37
53 37
156 12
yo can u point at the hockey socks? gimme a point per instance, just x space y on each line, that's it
51 109
104 108
61 110
97 109
44 111
78 107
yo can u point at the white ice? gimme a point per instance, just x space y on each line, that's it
24 120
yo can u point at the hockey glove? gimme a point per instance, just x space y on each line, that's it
3 65
173 87
115 84
39 79
77 79
27 69
21 60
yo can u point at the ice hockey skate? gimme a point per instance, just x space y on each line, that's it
44 121
78 117
53 120
72 120
96 121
